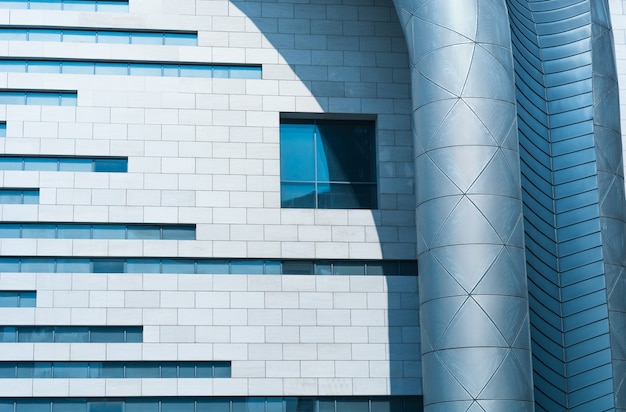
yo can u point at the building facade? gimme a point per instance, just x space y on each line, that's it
222 205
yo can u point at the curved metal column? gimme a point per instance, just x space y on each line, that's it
573 193
473 295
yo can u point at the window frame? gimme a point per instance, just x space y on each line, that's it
361 200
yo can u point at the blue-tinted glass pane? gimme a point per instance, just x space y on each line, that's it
9 265
275 405
12 98
11 197
144 232
113 37
143 266
175 405
297 267
134 335
32 405
353 405
44 265
74 231
109 232
245 73
348 268
140 405
178 266
346 151
346 196
204 370
26 370
296 152
215 267
43 67
213 405
169 371
297 195
28 299
75 165
112 68
105 335
12 34
299 405
388 405
95 406
142 370
179 232
8 230
35 334
110 165
221 72
221 370
31 197
13 66
3 129
171 70
13 4
146 38
77 36
69 99
41 369
273 267
106 370
187 370
70 370
11 163
44 35
72 334
8 370
44 99
195 71
9 299
180 39
247 267
249 405
73 265
44 5
42 231
78 68
8 334
79 5
41 163
107 266
323 268
6 405
59 405
146 70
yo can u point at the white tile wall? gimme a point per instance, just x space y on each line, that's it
206 152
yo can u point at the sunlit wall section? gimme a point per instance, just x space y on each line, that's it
473 304
570 173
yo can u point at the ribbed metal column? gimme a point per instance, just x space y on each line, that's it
473 294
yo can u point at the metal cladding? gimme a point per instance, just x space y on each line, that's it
481 250
473 294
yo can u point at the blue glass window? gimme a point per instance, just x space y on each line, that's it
38 97
76 5
19 196
17 299
328 164
49 163
205 266
97 35
3 129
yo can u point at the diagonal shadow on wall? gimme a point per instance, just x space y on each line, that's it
350 57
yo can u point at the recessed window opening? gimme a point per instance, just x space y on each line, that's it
85 35
328 163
